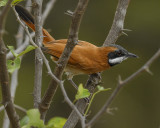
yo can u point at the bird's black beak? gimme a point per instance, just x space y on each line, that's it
131 55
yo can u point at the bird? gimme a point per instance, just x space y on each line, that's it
86 58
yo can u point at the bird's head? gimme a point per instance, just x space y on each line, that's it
118 54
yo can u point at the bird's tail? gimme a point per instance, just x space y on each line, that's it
29 20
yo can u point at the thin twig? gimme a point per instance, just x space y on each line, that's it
120 84
4 78
20 108
16 106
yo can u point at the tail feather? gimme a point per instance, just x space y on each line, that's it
29 20
25 16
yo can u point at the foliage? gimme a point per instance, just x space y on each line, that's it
28 49
82 93
32 119
3 3
24 121
12 65
56 122
14 2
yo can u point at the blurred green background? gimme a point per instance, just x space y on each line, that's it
137 105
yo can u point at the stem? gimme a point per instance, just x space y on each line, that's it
93 98
37 8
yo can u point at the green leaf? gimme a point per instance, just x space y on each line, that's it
14 2
82 92
25 126
34 118
28 49
24 121
100 88
12 65
56 122
3 2
11 48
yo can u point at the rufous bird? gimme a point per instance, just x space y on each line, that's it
85 58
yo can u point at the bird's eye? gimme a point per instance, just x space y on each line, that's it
119 53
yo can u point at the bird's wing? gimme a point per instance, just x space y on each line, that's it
80 56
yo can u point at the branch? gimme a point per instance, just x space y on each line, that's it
13 86
116 30
37 8
14 77
120 84
4 78
72 41
118 22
